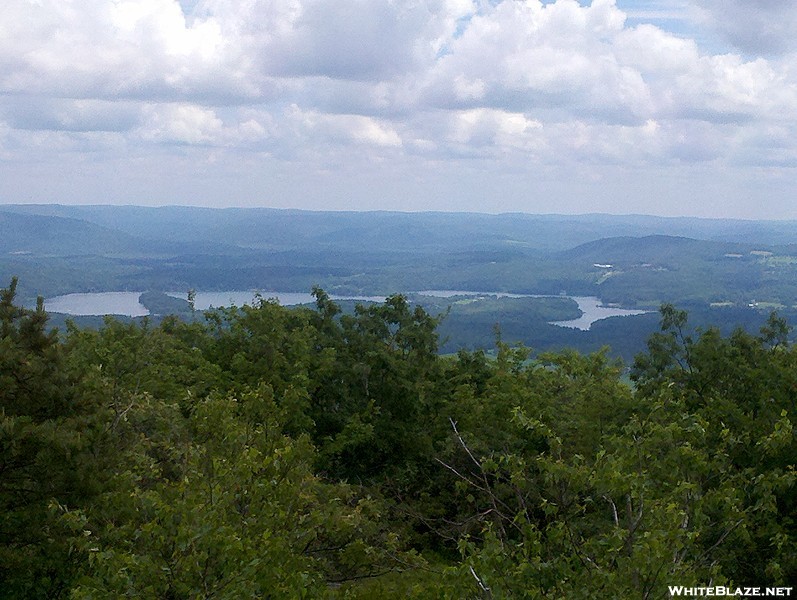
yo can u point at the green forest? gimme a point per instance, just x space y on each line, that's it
311 452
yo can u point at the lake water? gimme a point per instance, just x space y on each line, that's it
452 293
591 307
102 303
593 310
205 300
126 303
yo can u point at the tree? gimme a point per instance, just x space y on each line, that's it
243 517
44 454
373 402
743 388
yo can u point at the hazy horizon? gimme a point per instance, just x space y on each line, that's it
398 211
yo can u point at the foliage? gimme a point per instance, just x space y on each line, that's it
241 515
45 453
314 452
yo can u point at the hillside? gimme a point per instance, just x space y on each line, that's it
632 261
30 234
289 229
653 249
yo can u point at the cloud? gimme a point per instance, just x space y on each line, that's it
188 125
484 130
379 58
59 114
508 84
584 62
760 27
222 50
347 129
525 55
351 39
124 49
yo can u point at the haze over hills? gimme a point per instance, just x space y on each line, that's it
631 261
287 229
62 236
383 252
651 247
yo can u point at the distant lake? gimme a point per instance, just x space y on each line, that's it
591 307
126 303
100 303
593 310
452 293
205 300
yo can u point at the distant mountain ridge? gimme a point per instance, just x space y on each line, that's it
274 229
635 261
62 236
652 248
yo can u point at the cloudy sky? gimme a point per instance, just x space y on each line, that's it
670 107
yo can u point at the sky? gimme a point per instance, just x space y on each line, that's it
664 107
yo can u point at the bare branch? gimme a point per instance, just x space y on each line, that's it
481 584
461 476
462 443
720 540
614 510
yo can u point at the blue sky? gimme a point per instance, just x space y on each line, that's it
670 107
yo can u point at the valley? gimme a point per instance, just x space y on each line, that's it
726 273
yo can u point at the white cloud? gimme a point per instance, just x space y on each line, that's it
347 129
423 83
656 52
491 130
189 124
526 55
125 49
183 124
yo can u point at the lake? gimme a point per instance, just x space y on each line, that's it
100 303
126 303
591 307
205 300
593 310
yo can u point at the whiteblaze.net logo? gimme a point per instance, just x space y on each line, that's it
723 591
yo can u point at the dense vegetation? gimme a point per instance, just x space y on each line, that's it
289 453
472 322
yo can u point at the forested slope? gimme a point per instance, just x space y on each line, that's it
634 261
287 453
